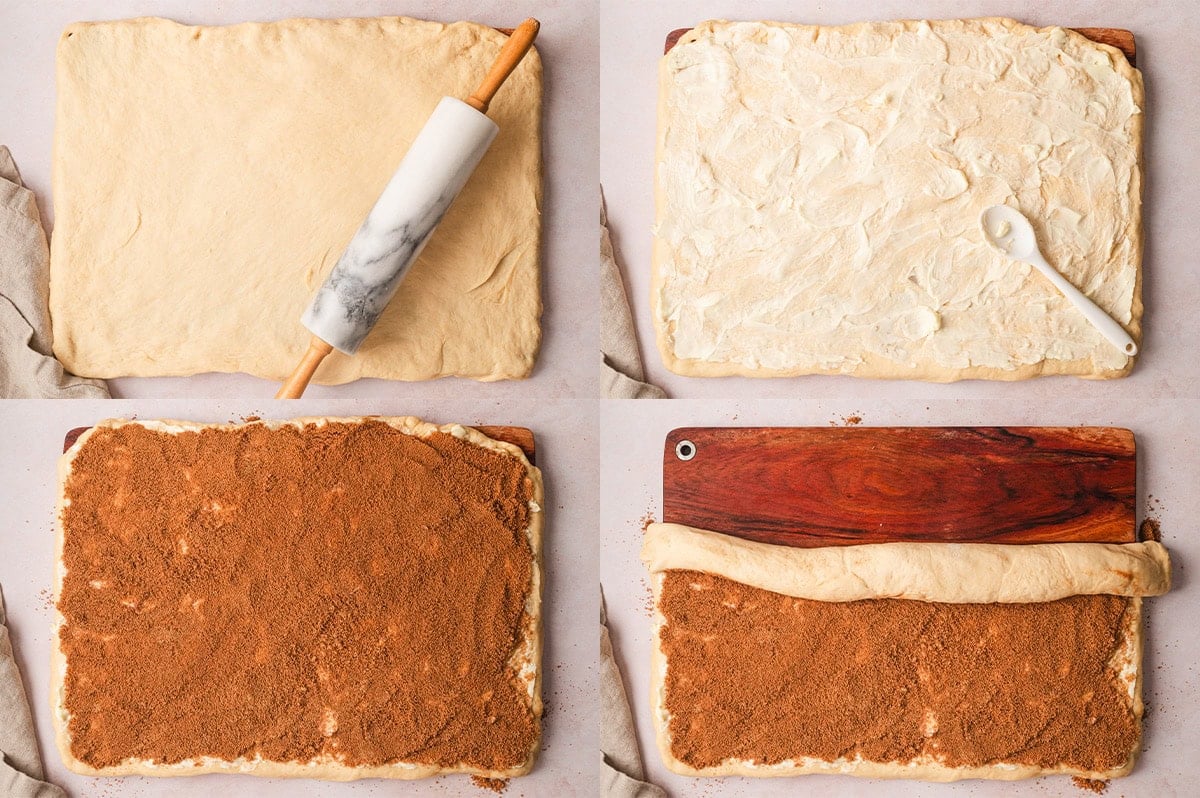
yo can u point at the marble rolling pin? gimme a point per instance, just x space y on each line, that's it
433 172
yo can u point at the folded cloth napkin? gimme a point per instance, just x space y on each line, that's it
20 765
622 775
28 369
621 374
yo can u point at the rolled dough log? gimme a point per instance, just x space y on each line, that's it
207 179
953 573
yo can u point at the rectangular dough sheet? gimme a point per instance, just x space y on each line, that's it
818 193
206 179
968 573
524 662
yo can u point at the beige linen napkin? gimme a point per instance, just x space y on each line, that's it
28 369
622 376
622 775
20 765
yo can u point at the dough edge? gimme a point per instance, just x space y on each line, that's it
956 573
326 769
875 366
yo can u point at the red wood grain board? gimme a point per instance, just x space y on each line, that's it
825 486
521 437
1116 37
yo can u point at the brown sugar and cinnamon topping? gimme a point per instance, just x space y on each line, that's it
344 591
761 677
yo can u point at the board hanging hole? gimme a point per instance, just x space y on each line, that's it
685 450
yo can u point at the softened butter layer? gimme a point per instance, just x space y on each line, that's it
820 192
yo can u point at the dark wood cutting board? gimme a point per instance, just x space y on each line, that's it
521 437
831 486
1116 37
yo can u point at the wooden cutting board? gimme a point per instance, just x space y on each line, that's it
836 486
1116 37
521 437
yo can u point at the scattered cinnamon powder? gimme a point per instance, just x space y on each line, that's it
1097 786
495 785
847 421
758 676
347 591
647 599
646 520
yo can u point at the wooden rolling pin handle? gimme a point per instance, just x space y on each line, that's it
295 385
514 50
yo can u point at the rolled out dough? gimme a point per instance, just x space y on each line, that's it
952 573
206 179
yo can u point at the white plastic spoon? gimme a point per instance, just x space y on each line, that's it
1011 234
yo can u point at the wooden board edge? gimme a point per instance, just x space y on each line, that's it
1119 38
673 39
521 437
1124 433
72 436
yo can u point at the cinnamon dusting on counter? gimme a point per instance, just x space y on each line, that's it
757 676
346 591
1097 786
495 785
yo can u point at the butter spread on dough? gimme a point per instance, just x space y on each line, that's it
206 180
819 190
953 573
524 661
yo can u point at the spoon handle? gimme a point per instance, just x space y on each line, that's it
1107 326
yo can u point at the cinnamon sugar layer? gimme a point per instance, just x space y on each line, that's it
345 591
765 678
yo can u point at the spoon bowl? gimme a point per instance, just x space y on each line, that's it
1008 231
